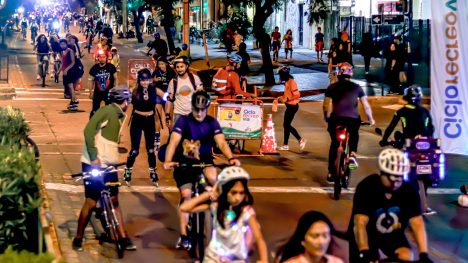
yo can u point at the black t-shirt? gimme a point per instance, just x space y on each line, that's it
204 131
166 77
387 217
144 103
345 95
415 119
160 46
244 66
103 76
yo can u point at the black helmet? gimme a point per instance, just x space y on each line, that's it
143 74
413 94
345 70
283 72
120 94
201 100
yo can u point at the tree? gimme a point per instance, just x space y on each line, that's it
263 10
319 10
137 7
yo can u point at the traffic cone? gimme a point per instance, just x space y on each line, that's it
269 138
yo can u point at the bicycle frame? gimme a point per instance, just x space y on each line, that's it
342 171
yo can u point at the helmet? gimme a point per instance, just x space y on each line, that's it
113 49
345 70
184 46
181 59
201 100
143 74
231 173
413 94
394 162
234 58
283 72
162 59
120 94
156 35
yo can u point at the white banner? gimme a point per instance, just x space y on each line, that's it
240 121
449 73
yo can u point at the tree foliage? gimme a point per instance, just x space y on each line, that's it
319 10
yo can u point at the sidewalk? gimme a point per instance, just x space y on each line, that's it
311 76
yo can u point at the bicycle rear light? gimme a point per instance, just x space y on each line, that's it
342 136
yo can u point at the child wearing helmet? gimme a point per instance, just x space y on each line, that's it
226 82
234 219
384 205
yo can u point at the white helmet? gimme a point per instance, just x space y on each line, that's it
231 173
393 161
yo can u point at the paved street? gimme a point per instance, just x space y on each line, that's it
284 186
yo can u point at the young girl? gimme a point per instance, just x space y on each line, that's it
234 220
287 39
291 99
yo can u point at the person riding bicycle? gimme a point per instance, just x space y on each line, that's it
101 153
180 90
159 45
143 121
103 77
24 25
415 119
191 142
42 49
226 82
34 30
383 207
344 96
56 49
149 24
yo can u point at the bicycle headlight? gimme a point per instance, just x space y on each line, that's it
95 172
56 25
165 96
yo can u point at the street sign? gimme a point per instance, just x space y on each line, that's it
134 65
377 19
393 19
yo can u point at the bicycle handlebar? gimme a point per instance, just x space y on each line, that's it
97 172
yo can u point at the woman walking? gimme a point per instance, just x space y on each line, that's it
70 74
291 99
144 100
287 39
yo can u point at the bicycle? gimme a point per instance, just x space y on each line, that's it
44 66
23 33
196 229
104 210
342 170
57 67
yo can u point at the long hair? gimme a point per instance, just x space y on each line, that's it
223 203
294 247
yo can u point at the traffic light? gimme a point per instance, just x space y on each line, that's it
401 6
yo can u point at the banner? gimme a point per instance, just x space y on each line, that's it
240 121
449 69
134 65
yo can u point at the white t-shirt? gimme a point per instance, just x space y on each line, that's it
183 96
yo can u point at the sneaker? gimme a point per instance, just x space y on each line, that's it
154 177
352 163
429 212
283 148
330 178
302 144
128 174
77 244
128 244
184 243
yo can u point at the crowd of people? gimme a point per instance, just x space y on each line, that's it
172 96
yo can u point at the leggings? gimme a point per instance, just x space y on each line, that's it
98 97
138 125
288 118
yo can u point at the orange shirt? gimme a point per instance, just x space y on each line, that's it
289 86
227 85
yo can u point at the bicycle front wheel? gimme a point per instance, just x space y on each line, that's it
197 233
111 226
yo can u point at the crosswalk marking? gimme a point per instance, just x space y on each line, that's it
73 188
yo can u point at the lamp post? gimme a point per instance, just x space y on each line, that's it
410 38
186 28
124 16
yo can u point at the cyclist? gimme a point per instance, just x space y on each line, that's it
180 89
24 26
143 120
159 45
57 50
199 129
226 82
103 77
235 223
416 121
42 48
100 153
149 25
383 207
344 96
34 29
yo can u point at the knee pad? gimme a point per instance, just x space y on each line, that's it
133 153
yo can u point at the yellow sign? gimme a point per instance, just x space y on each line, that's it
230 114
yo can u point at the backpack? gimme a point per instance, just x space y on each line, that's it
175 82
